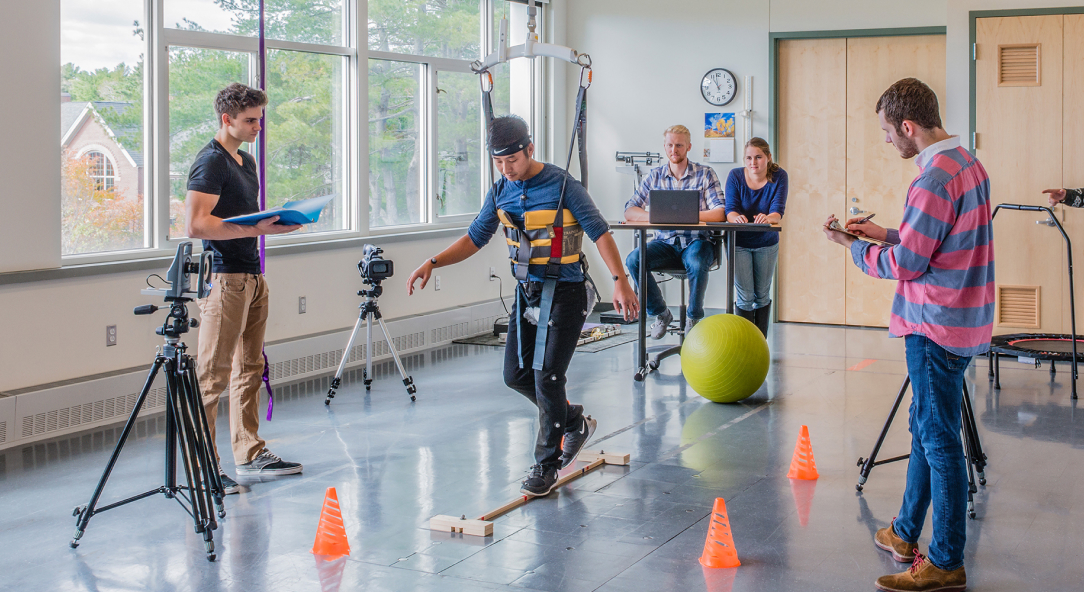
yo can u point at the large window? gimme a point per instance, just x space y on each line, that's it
101 111
137 107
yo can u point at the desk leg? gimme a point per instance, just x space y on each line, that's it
731 238
641 344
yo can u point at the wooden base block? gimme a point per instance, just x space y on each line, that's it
482 528
610 458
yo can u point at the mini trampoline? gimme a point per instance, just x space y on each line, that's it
1040 346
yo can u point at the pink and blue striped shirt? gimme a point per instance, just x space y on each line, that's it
943 253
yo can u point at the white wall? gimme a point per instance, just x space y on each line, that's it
804 15
30 152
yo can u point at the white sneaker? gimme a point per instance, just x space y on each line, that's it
689 324
661 324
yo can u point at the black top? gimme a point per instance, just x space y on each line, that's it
238 189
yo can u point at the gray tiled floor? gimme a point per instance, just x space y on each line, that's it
463 448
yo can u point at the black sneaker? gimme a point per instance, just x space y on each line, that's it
266 463
575 440
540 481
229 485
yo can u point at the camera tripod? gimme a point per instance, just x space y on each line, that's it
186 431
976 458
370 311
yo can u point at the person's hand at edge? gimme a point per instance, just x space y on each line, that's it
1055 196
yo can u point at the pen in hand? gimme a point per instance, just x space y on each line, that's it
866 219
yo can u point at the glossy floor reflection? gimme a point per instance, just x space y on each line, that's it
464 446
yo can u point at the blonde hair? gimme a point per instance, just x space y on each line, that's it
678 129
762 145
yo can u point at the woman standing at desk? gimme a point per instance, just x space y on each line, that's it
756 193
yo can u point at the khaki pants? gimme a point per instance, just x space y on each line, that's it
233 319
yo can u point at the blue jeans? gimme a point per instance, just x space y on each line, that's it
753 271
695 258
937 470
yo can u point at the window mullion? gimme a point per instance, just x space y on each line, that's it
158 100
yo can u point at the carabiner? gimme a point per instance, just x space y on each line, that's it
589 74
482 77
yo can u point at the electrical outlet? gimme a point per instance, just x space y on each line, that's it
436 283
301 305
492 273
110 335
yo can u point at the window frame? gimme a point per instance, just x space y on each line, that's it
156 175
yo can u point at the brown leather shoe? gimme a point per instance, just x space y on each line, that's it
901 550
924 576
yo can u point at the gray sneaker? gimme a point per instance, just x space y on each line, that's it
661 324
266 463
229 485
689 324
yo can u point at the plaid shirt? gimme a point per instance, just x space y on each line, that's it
697 176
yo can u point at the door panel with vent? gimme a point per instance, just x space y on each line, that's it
1018 94
1073 151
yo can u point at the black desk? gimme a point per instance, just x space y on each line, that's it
717 229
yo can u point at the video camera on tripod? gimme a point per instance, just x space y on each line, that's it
373 269
187 431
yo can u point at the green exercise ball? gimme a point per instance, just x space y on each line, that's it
725 358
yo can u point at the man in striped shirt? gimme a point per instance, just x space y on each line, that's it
671 249
943 257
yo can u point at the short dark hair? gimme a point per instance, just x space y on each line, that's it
236 98
910 99
506 131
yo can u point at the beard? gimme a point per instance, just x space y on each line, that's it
906 147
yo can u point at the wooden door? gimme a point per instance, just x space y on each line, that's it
812 146
877 178
1073 153
1019 125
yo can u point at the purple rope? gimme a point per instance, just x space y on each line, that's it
261 149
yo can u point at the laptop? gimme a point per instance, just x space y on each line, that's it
674 207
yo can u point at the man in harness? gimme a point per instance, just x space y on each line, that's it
545 213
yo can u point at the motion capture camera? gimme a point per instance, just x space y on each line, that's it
373 267
180 291
178 276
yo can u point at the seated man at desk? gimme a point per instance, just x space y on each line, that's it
692 249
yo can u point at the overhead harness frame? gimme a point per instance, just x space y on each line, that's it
532 48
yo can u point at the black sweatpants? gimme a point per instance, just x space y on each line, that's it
546 388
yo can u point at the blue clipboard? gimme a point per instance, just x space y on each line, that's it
305 211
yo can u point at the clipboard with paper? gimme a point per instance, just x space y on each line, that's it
835 225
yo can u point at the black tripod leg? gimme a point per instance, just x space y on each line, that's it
84 513
997 371
867 464
199 506
968 460
972 431
208 459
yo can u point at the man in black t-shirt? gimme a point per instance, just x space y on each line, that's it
224 183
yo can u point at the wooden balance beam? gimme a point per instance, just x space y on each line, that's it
483 525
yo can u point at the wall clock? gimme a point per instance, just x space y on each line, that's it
718 86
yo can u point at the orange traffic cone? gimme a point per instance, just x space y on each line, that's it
803 466
719 548
331 534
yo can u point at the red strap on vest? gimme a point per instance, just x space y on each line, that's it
557 243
